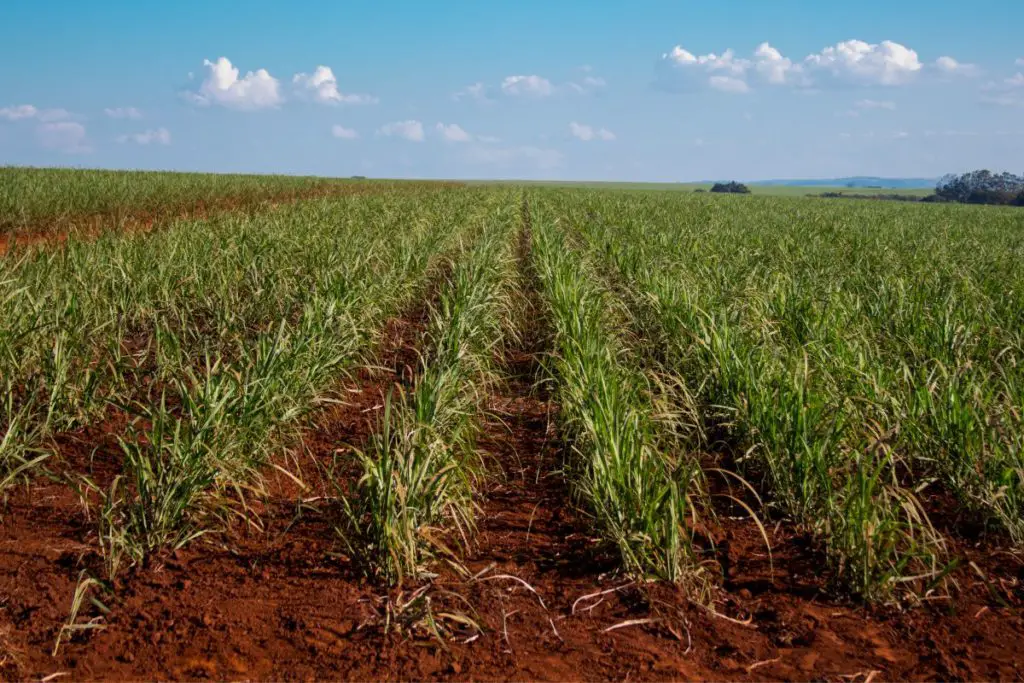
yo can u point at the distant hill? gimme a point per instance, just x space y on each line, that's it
857 181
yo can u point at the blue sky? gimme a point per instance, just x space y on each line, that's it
646 90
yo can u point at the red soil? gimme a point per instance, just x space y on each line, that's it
285 603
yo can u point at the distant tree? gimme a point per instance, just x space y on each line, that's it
700 189
981 187
731 187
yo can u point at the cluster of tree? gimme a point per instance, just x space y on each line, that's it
981 187
733 187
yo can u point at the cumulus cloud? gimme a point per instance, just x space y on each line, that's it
537 157
851 62
156 136
531 86
223 87
410 130
344 133
453 132
682 69
27 111
587 133
775 69
1020 62
63 136
322 86
855 61
123 113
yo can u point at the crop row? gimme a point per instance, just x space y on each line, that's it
627 469
214 337
415 497
852 359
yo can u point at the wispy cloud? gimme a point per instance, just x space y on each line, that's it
532 86
409 130
123 113
527 86
63 136
503 157
156 136
453 132
27 111
1008 92
588 133
875 104
344 133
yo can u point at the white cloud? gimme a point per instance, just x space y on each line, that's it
156 136
322 86
532 86
589 84
1003 100
344 133
18 112
727 62
1020 62
477 91
410 130
1008 92
729 84
123 113
851 62
776 69
54 115
587 133
538 157
952 67
901 135
727 72
453 132
27 111
885 63
63 136
875 104
488 139
222 86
